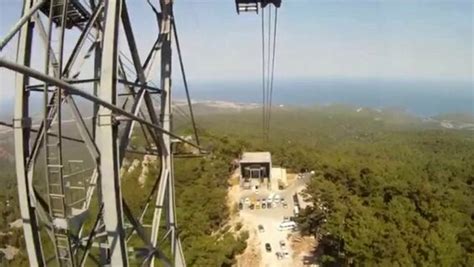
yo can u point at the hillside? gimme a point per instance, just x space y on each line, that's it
390 189
406 178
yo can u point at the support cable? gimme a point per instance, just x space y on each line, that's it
264 113
269 52
273 66
183 74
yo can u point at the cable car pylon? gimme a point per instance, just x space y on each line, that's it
96 225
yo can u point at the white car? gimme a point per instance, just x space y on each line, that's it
247 201
276 199
269 200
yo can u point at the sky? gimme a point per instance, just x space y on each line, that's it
385 39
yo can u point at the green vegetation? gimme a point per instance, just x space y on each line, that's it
389 189
202 211
201 190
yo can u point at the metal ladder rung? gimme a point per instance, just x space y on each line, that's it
59 212
59 235
53 145
76 187
59 3
56 195
77 202
63 246
55 166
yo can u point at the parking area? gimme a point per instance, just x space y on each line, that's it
268 214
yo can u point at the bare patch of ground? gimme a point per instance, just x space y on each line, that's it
18 223
304 248
252 255
9 252
147 160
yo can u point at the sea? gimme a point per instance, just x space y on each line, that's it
420 98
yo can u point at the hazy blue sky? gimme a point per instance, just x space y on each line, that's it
427 40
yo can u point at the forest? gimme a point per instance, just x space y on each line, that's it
390 189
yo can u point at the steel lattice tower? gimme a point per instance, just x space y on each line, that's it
82 221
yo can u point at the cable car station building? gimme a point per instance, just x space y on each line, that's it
255 169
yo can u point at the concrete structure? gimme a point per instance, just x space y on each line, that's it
255 169
278 178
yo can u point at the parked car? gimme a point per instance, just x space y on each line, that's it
282 245
260 228
296 210
247 201
284 204
276 199
268 203
264 205
270 198
279 255
252 206
241 205
268 248
285 254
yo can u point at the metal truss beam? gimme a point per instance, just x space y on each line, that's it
166 184
114 221
106 134
22 124
26 17
76 91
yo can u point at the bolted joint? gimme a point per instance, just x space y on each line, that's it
107 120
24 123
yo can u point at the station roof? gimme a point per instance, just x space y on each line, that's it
255 157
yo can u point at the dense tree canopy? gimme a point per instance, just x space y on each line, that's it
388 190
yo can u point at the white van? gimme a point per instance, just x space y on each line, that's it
288 225
296 210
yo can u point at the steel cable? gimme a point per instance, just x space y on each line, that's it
273 67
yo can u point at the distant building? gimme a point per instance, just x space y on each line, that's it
255 169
